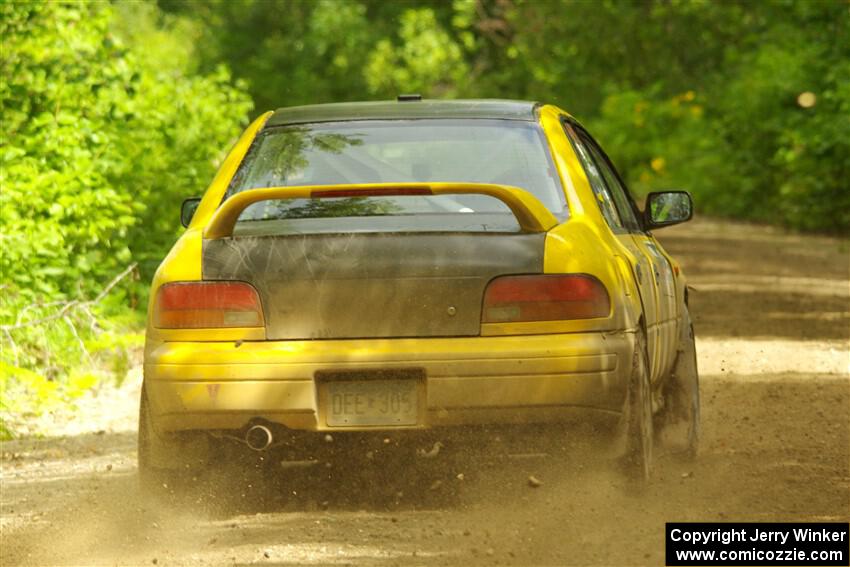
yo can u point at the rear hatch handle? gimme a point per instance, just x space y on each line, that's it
530 213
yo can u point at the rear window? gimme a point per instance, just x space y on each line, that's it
478 151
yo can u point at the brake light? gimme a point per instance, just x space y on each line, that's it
199 305
372 192
510 299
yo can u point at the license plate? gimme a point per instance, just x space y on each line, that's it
371 402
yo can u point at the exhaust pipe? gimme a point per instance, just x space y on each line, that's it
258 437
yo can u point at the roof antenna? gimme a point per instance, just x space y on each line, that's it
409 97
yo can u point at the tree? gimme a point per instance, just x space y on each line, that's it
106 128
102 139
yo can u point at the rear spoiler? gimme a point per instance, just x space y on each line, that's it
530 213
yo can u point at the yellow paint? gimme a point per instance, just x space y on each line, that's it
275 378
566 162
215 192
183 262
531 214
221 378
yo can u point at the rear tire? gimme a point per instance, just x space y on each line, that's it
165 463
680 420
639 428
153 480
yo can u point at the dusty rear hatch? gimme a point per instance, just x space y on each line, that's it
384 228
366 285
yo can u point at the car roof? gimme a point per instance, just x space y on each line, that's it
408 109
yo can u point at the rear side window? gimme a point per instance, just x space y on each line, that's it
611 195
615 187
597 183
503 152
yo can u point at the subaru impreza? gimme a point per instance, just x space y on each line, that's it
396 267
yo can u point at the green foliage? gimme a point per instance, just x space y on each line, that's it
59 212
112 113
658 143
46 365
703 96
682 93
102 140
792 161
425 60
106 128
289 52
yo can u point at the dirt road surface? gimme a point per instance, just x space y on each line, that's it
772 315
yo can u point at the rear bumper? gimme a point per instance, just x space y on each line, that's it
468 381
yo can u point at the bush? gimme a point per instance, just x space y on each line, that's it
106 128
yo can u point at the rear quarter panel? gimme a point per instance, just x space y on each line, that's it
183 262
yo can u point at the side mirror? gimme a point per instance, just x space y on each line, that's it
187 210
665 208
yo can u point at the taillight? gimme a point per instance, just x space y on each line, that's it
372 192
200 305
510 299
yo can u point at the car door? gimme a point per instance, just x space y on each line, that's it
621 217
653 262
666 305
668 314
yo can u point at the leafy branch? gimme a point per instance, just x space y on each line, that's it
67 307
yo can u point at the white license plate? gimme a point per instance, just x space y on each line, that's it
351 403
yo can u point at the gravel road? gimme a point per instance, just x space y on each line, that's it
772 316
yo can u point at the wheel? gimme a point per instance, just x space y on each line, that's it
680 420
165 462
153 479
639 429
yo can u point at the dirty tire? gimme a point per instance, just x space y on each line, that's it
680 421
153 481
639 428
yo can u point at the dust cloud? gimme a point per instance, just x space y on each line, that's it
772 317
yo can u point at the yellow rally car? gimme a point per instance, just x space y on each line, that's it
415 265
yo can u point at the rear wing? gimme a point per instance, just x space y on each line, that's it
530 213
